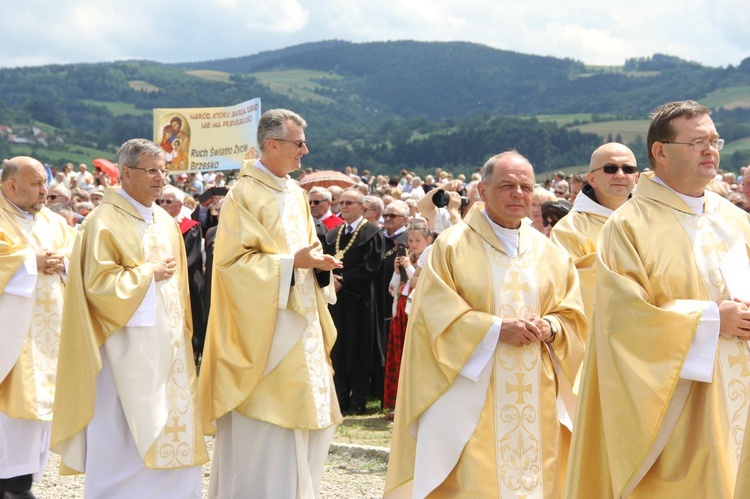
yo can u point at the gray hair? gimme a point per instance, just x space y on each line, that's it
178 194
62 209
360 196
10 169
323 192
400 207
272 124
131 151
489 167
375 204
62 189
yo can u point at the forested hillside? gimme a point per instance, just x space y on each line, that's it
382 105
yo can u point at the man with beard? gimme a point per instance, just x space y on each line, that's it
34 244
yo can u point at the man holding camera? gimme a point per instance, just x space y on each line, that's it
205 212
442 207
395 219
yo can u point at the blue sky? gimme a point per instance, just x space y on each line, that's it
37 32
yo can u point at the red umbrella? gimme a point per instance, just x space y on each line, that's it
326 178
107 167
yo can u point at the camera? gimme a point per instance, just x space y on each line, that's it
440 198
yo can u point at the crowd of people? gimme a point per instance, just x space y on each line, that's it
583 336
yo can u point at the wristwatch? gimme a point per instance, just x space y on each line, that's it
553 328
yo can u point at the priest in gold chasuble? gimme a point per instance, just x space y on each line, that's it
664 396
126 408
34 245
266 381
612 175
492 343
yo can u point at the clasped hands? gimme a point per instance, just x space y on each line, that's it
50 261
524 331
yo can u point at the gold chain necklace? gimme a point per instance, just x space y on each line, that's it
339 252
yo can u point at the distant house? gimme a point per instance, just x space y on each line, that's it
14 139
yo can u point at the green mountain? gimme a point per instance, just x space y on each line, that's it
382 105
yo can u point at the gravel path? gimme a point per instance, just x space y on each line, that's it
348 475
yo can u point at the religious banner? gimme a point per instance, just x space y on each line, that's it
208 138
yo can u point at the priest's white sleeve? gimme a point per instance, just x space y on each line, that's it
699 363
23 281
285 285
289 324
145 314
483 353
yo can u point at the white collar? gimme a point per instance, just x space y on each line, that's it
585 204
399 231
356 223
507 237
281 181
695 204
146 212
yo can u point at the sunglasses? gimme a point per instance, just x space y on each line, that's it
550 222
52 197
392 215
317 202
349 203
164 201
612 169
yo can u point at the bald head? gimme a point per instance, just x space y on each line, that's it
24 183
605 152
607 176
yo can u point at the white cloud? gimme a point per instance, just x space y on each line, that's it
38 32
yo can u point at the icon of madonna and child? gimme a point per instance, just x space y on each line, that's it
175 142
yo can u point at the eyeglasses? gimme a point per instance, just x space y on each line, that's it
349 203
52 197
560 192
152 171
298 143
392 215
700 145
612 169
164 201
550 222
316 202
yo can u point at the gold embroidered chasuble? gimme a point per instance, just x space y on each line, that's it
516 445
152 363
641 430
577 233
31 325
263 360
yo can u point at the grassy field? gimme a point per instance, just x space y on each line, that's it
736 145
566 119
728 98
628 129
297 83
118 108
208 74
143 86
